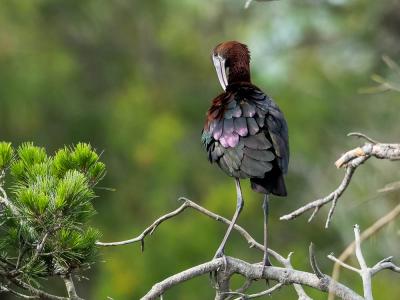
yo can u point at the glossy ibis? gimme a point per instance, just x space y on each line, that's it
245 133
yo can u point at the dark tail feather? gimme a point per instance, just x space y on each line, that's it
270 184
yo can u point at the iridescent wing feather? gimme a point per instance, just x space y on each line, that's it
249 139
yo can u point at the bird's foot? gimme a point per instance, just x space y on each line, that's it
220 254
265 264
213 275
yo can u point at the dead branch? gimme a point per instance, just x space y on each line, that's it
365 235
252 271
39 294
149 230
351 160
250 240
70 286
364 271
267 292
248 2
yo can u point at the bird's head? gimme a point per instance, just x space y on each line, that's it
232 62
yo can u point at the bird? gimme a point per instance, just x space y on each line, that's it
245 134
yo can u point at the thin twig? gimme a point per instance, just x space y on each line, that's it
364 270
243 288
362 135
4 199
313 262
20 295
317 204
391 64
385 263
331 210
257 295
248 2
148 231
343 264
316 210
34 291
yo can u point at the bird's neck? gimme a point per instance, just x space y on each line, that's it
239 72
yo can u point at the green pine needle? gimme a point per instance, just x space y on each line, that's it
46 228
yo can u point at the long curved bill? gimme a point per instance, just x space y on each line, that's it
219 64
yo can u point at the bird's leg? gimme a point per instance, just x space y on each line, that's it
239 207
265 206
220 251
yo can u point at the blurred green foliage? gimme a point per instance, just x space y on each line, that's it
134 78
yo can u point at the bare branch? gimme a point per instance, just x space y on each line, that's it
257 295
385 264
351 160
4 199
362 135
317 204
4 289
383 83
70 286
366 234
313 262
252 271
379 150
390 187
391 64
343 264
32 290
242 289
331 210
250 240
248 2
149 230
159 288
365 272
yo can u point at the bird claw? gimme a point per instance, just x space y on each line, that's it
220 253
265 263
213 275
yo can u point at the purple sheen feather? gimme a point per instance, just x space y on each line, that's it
249 110
228 114
260 122
241 126
212 125
233 139
252 126
237 112
243 131
224 141
217 132
228 126
231 104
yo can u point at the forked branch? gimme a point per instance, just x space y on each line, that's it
364 271
189 203
351 160
252 271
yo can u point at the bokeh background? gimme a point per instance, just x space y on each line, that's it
134 79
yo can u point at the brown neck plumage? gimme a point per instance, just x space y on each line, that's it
239 72
238 64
